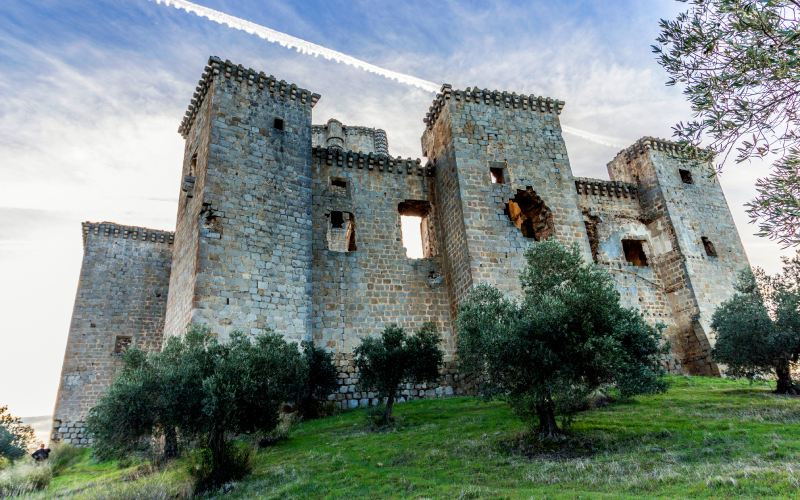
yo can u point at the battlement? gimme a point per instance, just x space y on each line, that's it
371 161
491 97
600 187
112 230
226 69
672 148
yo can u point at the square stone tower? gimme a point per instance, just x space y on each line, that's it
242 254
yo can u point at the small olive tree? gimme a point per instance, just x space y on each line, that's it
15 436
758 329
319 382
394 358
565 337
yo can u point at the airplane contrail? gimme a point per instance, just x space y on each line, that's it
310 48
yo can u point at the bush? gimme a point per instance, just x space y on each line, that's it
208 473
319 381
23 477
384 363
566 337
64 455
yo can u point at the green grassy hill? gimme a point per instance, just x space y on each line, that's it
704 437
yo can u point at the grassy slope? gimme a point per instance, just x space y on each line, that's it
705 437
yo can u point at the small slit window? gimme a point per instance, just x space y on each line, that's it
193 164
122 343
686 176
341 232
709 247
497 174
278 124
634 252
415 228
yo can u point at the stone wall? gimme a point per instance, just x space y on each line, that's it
350 138
121 299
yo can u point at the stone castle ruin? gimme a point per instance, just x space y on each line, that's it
296 227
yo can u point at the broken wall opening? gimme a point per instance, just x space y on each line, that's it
528 212
709 247
634 252
415 228
341 231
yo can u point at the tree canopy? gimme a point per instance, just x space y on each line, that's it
15 436
565 337
739 63
758 329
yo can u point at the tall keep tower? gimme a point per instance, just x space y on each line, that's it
502 179
242 254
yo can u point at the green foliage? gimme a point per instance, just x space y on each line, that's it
739 61
15 436
758 329
319 382
23 477
198 389
565 338
386 362
236 463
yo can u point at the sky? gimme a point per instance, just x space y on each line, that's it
92 92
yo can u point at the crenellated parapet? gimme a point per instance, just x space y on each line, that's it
501 98
228 70
600 187
371 161
671 148
112 230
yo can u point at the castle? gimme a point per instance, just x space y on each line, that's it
296 227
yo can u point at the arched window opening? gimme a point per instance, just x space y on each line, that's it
341 232
528 212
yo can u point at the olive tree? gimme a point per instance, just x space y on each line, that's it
395 357
758 329
566 336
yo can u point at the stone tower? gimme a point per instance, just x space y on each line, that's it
503 179
242 257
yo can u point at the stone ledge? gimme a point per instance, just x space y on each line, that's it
492 97
372 161
112 230
600 187
672 148
229 70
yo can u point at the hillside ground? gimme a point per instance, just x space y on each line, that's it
704 437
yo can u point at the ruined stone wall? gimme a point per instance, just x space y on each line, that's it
470 135
121 299
253 257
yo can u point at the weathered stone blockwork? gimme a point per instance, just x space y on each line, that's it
296 227
121 299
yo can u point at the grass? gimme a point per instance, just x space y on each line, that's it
704 437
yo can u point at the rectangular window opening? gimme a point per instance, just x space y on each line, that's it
709 247
339 182
634 252
341 232
686 176
415 228
497 174
278 124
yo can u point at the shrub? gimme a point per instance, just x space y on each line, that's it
15 437
23 477
208 473
200 390
386 362
567 336
319 381
758 329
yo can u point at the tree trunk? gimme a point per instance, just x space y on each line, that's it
785 384
217 445
170 443
387 415
548 428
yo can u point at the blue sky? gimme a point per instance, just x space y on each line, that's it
92 93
